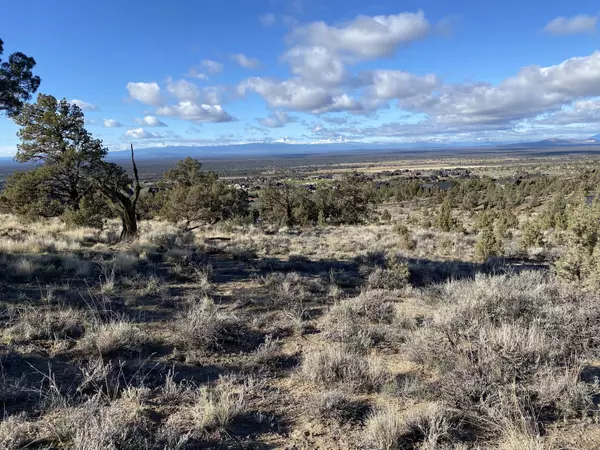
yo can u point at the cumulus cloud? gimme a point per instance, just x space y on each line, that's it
293 94
316 64
148 93
532 91
579 112
268 19
365 37
84 106
211 66
141 133
581 23
318 57
277 120
112 123
150 121
396 84
188 110
244 61
183 90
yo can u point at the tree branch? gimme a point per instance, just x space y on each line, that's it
138 188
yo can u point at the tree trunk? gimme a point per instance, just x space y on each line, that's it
129 222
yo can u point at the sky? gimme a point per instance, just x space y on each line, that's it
196 73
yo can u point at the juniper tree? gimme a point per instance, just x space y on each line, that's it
53 134
17 81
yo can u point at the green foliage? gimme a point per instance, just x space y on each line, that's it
53 133
532 235
91 213
406 240
29 194
187 172
17 81
581 260
151 203
444 220
349 201
554 213
196 197
488 244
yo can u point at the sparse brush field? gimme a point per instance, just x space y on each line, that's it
382 336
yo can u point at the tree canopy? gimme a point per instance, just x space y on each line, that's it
53 133
17 81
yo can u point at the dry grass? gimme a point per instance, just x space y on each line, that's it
111 337
429 354
337 366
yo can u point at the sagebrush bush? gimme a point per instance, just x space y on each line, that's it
204 327
490 333
364 321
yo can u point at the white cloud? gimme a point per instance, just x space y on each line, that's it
140 133
183 90
395 84
188 110
534 90
84 106
150 121
287 94
112 123
244 61
581 23
211 66
277 120
580 112
268 19
365 37
148 93
316 64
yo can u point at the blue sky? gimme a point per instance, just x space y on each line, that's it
315 71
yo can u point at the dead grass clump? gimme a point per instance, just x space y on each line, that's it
16 432
268 352
217 406
119 425
338 406
204 327
337 366
111 337
34 323
430 427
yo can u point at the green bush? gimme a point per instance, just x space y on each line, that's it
488 245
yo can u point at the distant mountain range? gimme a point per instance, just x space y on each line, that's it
556 142
285 150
